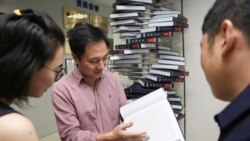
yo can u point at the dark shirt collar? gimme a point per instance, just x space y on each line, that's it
238 107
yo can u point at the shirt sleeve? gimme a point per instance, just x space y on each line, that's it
66 117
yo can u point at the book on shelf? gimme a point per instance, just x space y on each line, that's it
169 92
165 12
172 57
166 66
166 23
169 73
124 15
126 28
129 34
144 40
166 52
146 83
161 78
155 20
156 34
135 46
162 28
136 90
128 61
155 110
142 45
171 62
134 1
129 51
109 66
176 15
161 47
134 69
176 104
123 22
121 57
174 97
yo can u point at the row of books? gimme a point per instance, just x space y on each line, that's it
147 56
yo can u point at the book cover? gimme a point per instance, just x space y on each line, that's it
155 110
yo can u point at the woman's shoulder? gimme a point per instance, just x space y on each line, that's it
14 127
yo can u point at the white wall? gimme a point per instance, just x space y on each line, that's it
201 106
40 112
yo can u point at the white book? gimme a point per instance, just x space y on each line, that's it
123 15
153 113
166 19
165 66
160 72
171 57
127 28
119 57
159 24
133 51
168 52
130 7
123 22
171 62
166 12
166 16
149 29
143 1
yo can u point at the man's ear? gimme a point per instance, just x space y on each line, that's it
75 57
228 37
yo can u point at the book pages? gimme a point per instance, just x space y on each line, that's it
152 113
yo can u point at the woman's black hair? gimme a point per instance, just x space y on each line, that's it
27 40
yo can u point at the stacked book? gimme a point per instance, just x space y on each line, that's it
148 56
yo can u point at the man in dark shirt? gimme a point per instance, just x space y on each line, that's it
225 59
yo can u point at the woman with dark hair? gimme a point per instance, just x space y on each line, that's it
31 56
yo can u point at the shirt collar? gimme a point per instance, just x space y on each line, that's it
80 78
239 106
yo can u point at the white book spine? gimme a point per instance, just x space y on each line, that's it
180 58
119 57
171 62
160 66
160 24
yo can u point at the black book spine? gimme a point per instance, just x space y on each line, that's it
144 40
169 28
156 34
122 46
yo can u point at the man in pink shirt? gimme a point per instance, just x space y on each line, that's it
87 101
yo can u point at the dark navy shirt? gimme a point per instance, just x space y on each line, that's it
5 109
234 120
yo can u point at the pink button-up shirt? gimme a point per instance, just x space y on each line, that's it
83 111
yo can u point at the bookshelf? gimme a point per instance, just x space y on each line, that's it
133 32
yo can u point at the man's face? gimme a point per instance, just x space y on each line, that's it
210 62
93 61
